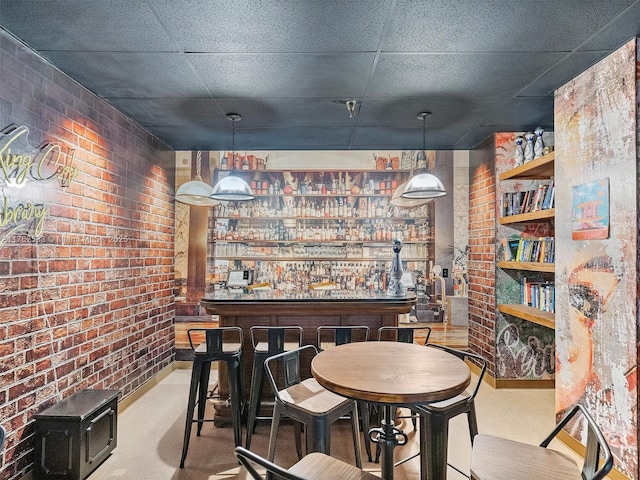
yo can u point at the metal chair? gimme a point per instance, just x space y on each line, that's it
266 342
434 417
494 458
330 336
315 466
223 344
308 403
403 334
406 335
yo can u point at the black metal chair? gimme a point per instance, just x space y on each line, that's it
330 336
308 403
403 334
266 342
494 458
435 416
406 335
315 466
223 344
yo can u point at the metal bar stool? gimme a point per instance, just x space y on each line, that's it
223 344
435 416
330 336
308 403
266 342
406 335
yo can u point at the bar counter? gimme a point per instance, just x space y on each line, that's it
308 310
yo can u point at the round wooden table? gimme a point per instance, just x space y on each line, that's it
394 374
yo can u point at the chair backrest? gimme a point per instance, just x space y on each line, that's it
403 334
213 338
479 360
598 460
275 337
290 366
249 460
331 336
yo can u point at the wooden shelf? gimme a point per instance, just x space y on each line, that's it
322 219
318 170
338 243
531 266
318 259
540 168
546 214
530 314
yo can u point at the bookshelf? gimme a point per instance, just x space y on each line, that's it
529 211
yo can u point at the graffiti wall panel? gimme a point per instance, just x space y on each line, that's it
596 279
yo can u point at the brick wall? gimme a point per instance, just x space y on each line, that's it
481 267
87 303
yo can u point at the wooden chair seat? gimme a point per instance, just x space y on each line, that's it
314 466
318 466
450 402
312 398
494 458
519 461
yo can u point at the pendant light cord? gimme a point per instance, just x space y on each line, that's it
198 165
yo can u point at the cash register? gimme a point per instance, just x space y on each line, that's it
238 281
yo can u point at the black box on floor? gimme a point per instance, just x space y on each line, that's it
73 437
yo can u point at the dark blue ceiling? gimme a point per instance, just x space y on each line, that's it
178 67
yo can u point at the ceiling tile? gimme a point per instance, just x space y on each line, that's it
486 75
86 25
282 26
338 75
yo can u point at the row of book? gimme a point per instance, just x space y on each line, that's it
538 294
529 249
541 198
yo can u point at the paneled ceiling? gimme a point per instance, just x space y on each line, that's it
177 67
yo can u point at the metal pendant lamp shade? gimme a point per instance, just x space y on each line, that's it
196 192
423 186
231 188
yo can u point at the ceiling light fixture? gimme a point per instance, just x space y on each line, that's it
424 185
232 188
196 192
351 107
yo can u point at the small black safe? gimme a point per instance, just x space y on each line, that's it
73 437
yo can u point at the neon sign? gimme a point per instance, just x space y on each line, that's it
20 164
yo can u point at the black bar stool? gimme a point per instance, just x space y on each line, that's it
331 336
405 335
266 342
223 344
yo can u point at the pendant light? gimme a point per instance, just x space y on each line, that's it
196 192
232 188
424 185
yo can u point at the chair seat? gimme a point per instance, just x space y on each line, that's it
313 398
227 347
448 403
263 347
518 461
318 466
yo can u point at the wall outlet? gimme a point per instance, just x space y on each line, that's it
445 272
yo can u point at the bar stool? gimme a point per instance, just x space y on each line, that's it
223 344
306 402
266 342
406 335
331 336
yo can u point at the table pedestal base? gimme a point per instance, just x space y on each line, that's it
387 437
